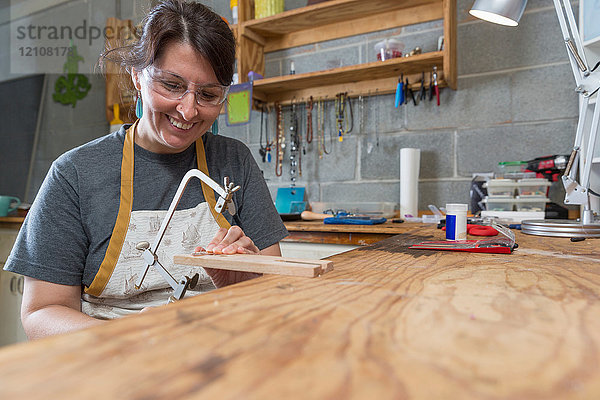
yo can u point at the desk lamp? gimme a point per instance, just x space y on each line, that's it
508 12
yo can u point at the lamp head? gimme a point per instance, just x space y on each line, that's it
503 12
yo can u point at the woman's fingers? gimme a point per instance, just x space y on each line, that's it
221 233
233 241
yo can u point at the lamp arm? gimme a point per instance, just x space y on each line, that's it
587 83
577 193
573 43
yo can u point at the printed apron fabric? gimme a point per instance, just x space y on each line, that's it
112 293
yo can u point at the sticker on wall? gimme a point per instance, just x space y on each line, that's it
239 104
72 86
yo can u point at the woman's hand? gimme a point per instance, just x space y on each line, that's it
231 241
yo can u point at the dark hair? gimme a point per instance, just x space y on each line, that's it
178 21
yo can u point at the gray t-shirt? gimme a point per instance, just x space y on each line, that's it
66 232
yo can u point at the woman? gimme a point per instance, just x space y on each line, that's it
77 246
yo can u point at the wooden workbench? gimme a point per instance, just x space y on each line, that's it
11 222
387 323
318 232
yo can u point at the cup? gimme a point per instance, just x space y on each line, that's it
8 204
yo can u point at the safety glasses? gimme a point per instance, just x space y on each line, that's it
175 87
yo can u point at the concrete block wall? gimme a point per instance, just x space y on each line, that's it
64 127
515 101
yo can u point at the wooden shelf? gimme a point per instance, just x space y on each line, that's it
329 12
319 84
336 19
320 22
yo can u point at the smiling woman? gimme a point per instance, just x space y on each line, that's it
190 44
181 67
170 125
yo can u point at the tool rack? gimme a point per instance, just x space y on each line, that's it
333 19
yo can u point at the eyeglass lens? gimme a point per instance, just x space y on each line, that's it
174 88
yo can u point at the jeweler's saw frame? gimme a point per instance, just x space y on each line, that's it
149 250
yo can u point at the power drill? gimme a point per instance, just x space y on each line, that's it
549 167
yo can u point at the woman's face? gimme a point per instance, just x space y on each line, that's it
171 126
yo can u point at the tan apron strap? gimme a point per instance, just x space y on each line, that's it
120 229
209 194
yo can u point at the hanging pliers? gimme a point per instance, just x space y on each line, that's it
409 92
422 91
399 92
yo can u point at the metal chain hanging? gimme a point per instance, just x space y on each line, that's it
295 156
280 141
265 151
342 104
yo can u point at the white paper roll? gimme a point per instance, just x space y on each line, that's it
409 181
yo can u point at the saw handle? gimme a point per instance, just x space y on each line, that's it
313 216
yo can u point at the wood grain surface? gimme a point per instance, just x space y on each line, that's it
257 264
387 323
318 232
389 228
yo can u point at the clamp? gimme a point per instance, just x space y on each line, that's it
149 251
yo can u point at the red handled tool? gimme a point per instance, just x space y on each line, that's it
498 246
549 167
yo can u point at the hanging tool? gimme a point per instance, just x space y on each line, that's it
373 135
430 85
279 141
265 151
409 92
435 85
399 92
361 106
422 91
150 251
302 141
295 138
342 104
309 124
339 116
321 113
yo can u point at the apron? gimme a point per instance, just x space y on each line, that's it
112 293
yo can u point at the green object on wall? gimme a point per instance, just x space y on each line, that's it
70 88
239 104
73 86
